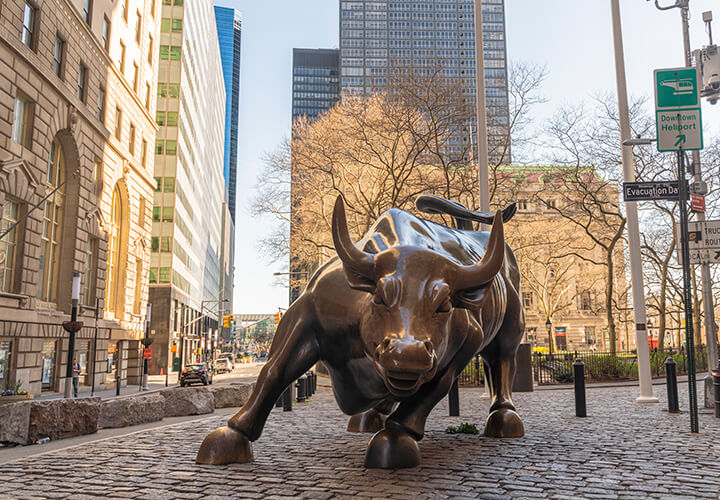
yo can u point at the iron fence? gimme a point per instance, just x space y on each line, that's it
557 368
599 366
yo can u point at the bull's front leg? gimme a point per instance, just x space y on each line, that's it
395 447
294 350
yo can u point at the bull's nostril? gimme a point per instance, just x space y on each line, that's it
428 346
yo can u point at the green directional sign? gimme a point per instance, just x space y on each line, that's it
676 88
678 120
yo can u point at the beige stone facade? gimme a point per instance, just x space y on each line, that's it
563 279
77 112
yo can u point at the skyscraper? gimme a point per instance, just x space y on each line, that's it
187 232
316 81
378 35
229 26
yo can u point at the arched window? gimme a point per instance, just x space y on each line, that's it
51 232
116 243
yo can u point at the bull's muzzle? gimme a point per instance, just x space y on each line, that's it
405 364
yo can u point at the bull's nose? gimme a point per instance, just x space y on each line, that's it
406 354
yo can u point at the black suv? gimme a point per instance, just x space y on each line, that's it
201 373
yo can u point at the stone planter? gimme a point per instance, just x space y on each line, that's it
14 399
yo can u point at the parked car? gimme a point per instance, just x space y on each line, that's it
223 365
196 373
229 356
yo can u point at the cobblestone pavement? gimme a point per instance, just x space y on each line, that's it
622 450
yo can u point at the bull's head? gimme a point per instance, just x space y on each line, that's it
414 295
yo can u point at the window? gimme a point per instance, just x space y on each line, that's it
97 177
116 261
138 285
174 53
87 12
28 28
177 25
590 335
118 123
50 236
131 141
169 184
88 275
159 147
527 299
135 76
151 47
58 56
164 52
147 95
20 126
165 25
153 276
156 213
168 214
172 119
585 301
125 9
153 4
122 57
100 112
106 33
522 204
82 82
8 245
160 118
143 158
164 275
138 27
170 147
550 204
141 212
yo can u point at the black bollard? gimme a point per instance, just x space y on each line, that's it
716 389
301 389
454 400
579 376
287 398
117 384
671 380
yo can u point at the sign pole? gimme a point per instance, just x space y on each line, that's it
687 293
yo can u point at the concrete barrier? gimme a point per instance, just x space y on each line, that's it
63 418
232 395
182 401
131 410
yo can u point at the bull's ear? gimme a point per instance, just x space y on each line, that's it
471 299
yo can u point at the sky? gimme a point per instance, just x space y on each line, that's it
571 38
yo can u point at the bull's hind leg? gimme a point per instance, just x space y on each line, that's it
293 352
499 356
371 420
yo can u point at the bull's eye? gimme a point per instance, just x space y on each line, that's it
444 306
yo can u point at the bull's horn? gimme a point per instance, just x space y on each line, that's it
351 256
473 276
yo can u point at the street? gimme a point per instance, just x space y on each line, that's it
621 450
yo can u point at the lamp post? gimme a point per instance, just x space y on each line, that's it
293 296
633 231
146 342
72 327
548 325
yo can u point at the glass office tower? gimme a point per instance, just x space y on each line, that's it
377 35
316 81
229 27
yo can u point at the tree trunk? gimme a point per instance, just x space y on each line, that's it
697 315
608 302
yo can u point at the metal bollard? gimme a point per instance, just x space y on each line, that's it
287 398
671 380
716 389
313 383
454 399
579 376
301 385
117 384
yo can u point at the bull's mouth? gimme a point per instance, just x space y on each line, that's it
404 384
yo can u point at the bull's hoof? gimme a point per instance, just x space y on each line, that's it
392 449
223 446
504 423
368 421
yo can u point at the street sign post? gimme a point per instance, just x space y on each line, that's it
645 191
678 119
703 242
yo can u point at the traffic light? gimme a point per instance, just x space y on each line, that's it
277 317
226 320
231 320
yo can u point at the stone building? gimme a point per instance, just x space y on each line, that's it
77 128
564 278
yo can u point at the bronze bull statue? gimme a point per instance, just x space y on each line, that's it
395 319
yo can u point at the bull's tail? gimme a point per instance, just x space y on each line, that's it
431 204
